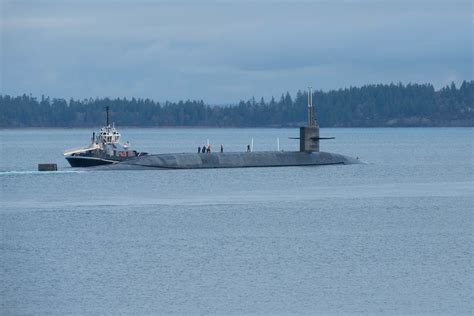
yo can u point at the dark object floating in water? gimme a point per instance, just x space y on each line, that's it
104 149
308 155
47 167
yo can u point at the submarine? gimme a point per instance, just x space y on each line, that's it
309 154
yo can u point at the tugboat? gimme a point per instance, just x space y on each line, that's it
104 149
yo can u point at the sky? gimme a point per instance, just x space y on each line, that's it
225 51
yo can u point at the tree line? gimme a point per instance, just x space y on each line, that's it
366 106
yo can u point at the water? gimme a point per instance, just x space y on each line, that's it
393 235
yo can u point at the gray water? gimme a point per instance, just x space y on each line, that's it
393 235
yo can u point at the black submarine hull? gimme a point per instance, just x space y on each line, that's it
232 160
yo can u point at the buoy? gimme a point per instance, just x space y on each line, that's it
47 167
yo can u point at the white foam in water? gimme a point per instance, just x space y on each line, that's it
33 172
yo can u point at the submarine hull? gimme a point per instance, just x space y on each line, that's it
233 160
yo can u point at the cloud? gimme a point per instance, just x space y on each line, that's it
223 51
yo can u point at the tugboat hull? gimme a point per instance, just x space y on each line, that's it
88 161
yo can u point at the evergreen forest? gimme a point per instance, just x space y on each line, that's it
375 105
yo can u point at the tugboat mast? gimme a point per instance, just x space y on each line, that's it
107 111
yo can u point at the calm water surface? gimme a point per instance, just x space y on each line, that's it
393 235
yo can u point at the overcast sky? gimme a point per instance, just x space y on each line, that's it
224 51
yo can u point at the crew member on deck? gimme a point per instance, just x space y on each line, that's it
199 149
222 148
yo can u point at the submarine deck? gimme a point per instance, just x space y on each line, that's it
231 160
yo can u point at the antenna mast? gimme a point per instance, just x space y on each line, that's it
311 119
107 111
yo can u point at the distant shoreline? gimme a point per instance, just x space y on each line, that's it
376 105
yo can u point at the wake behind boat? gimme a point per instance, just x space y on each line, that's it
104 149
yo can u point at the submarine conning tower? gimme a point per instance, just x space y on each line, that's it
309 135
